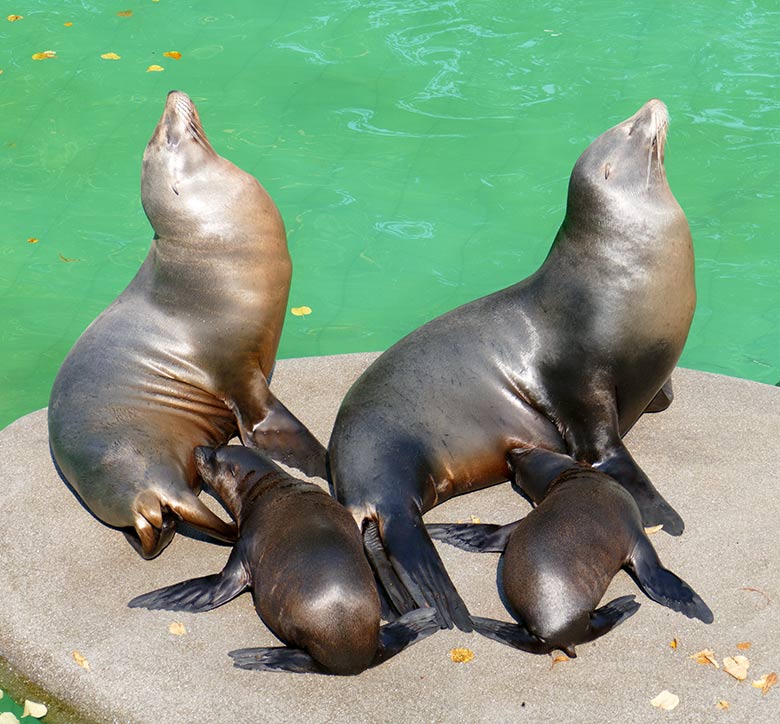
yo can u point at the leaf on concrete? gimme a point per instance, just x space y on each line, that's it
705 656
461 656
736 666
673 644
722 705
744 645
177 629
666 700
81 660
34 709
766 682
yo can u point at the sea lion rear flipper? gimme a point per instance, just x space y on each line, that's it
199 594
420 569
511 634
474 537
392 593
266 424
412 627
604 619
276 658
187 506
662 399
662 585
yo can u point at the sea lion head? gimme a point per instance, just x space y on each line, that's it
625 163
187 189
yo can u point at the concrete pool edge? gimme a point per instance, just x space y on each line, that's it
718 439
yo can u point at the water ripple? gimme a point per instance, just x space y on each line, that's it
362 124
406 229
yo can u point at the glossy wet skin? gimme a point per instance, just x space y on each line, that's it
312 584
180 359
567 359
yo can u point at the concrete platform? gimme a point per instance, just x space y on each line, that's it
65 580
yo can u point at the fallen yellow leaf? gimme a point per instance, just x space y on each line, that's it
68 258
32 240
653 529
34 709
43 55
175 54
14 18
766 682
736 667
560 659
666 700
81 661
722 705
673 644
177 629
68 25
744 646
110 56
154 69
461 656
301 311
706 656
125 13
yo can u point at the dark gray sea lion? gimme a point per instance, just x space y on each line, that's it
567 359
560 558
183 356
301 554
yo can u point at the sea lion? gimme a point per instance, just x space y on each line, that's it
566 359
301 554
559 560
183 356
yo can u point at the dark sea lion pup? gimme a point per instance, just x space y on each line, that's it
183 356
560 558
567 359
301 554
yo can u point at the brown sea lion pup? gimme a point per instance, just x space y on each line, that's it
567 359
301 555
183 356
559 560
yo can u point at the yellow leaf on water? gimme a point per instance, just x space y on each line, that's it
744 646
8 718
68 258
14 18
81 661
34 709
32 240
154 69
653 529
110 56
706 656
301 311
175 54
43 55
766 682
736 666
666 700
68 25
722 705
125 13
461 656
177 629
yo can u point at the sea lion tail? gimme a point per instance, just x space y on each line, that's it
663 586
397 635
473 537
186 505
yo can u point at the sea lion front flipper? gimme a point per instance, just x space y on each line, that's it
199 594
662 585
420 569
276 658
663 398
267 425
511 634
397 635
604 619
474 537
392 593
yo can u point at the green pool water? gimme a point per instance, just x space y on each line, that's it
419 153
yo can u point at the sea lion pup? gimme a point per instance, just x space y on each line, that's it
559 560
567 359
183 356
301 554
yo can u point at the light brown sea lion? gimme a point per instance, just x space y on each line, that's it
300 553
567 359
560 558
183 356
